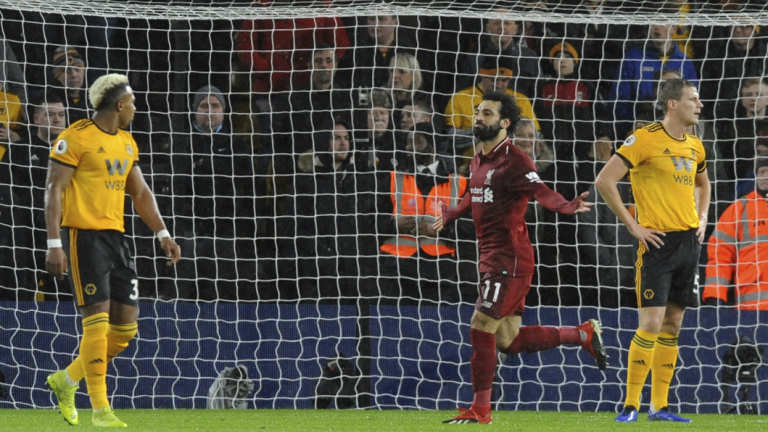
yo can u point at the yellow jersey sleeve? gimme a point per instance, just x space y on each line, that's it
701 156
632 152
67 149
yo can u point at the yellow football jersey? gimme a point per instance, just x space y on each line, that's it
662 172
95 198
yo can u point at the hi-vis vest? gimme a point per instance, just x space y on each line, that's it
738 254
407 200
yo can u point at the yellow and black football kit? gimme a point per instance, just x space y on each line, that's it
663 172
93 212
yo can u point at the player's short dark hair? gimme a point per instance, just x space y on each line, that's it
508 109
672 89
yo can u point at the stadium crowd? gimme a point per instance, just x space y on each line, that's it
306 158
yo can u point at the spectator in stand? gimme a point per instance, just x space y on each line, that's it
527 138
565 108
733 53
213 195
375 138
310 108
606 253
495 75
11 74
68 71
404 79
23 173
649 109
419 111
334 217
11 114
736 139
415 261
737 271
501 38
746 184
279 51
92 35
639 67
377 41
600 42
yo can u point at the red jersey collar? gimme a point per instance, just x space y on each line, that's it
493 154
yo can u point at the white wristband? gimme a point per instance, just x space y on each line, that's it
54 243
162 234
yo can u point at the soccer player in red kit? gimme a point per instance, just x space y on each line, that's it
503 179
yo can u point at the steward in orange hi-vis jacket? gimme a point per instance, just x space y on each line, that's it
738 250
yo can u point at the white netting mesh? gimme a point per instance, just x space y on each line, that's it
285 260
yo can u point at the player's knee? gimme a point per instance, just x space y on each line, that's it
504 338
119 337
673 319
483 322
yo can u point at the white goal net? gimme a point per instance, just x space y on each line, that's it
298 151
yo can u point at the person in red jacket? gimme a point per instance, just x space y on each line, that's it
503 180
280 50
737 270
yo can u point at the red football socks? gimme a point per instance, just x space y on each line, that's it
539 338
483 366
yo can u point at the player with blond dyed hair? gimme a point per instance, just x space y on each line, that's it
92 166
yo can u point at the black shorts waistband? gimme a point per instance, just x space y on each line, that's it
680 234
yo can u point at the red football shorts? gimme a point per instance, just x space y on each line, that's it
501 295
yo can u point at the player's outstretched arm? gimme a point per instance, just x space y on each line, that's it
554 201
146 206
446 214
613 171
59 176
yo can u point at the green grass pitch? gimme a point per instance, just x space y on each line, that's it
29 420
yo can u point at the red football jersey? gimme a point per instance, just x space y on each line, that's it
501 185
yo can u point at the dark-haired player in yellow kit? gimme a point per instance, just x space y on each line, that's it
668 172
92 166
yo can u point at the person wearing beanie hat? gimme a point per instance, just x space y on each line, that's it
559 55
565 108
208 106
734 267
68 72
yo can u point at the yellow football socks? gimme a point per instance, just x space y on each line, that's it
639 364
663 367
93 355
118 338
